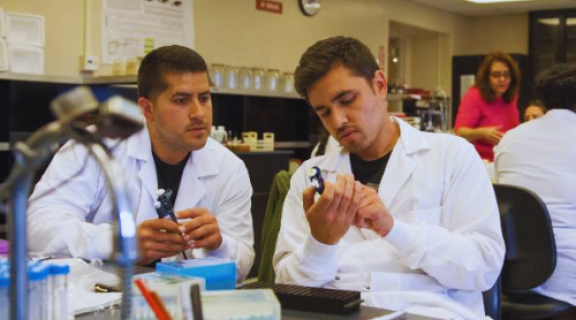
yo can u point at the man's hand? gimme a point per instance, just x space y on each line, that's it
158 238
492 134
333 213
373 214
202 231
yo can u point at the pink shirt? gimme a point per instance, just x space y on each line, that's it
474 113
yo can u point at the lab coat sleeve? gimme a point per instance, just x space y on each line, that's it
235 221
57 221
465 250
299 258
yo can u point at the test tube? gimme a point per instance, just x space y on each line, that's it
4 289
37 294
59 291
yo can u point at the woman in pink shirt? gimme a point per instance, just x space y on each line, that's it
489 108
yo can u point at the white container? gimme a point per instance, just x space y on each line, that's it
24 59
3 55
25 29
2 24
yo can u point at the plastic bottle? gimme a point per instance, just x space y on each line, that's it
222 134
59 291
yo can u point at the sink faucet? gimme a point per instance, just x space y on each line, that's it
83 119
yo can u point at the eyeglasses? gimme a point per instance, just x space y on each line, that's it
500 74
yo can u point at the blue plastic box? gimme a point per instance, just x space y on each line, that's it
219 274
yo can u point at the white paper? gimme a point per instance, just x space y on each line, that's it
466 81
133 27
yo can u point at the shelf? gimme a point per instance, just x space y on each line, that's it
39 78
291 144
257 93
235 92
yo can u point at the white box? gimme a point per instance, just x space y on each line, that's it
3 55
2 24
25 29
24 59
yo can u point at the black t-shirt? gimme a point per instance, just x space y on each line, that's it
369 172
170 175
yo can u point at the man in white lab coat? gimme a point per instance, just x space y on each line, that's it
540 155
174 151
408 217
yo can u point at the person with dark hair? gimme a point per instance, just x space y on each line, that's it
407 217
489 108
534 110
541 156
211 188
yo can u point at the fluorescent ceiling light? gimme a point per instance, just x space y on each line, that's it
495 1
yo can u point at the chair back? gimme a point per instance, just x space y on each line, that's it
492 307
527 230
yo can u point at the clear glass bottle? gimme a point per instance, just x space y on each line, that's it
59 291
217 75
258 79
288 82
231 77
245 79
272 77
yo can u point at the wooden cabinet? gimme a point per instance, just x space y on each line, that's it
552 39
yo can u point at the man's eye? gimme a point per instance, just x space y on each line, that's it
180 100
347 100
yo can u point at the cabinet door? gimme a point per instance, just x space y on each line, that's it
545 41
570 46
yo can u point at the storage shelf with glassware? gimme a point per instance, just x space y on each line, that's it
423 110
240 110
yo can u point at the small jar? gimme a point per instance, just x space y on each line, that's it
217 75
231 77
272 77
245 79
257 79
287 83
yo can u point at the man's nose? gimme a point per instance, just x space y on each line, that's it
196 109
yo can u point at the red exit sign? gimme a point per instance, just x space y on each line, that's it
270 6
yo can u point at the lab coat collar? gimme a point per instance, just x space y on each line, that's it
401 165
200 164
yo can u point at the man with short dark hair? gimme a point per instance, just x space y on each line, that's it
540 155
407 216
211 187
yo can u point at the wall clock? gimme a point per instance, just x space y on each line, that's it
309 7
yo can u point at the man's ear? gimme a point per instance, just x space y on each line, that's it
379 83
146 106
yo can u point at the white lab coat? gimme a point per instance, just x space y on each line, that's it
446 245
541 155
76 219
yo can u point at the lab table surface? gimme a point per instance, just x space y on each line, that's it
364 313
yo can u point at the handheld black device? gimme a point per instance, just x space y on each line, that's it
165 209
315 176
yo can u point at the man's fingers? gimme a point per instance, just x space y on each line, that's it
356 198
208 242
308 197
203 231
196 223
348 193
191 213
162 224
